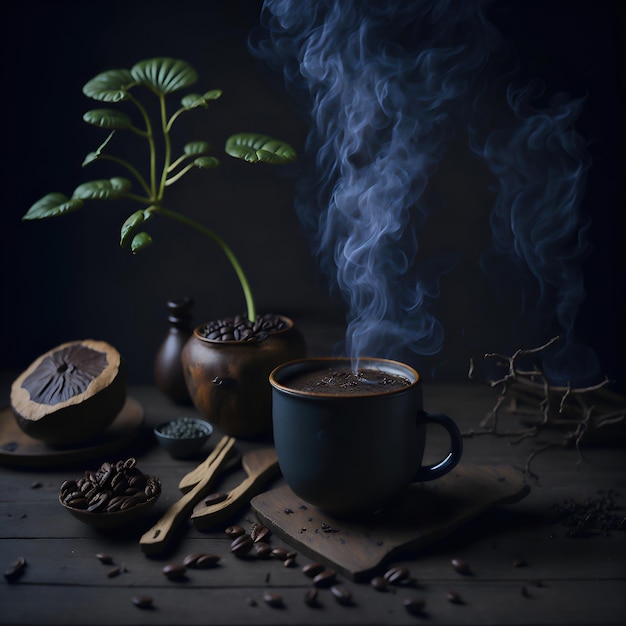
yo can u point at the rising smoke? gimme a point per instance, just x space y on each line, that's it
385 85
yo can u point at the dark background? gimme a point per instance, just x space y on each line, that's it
67 279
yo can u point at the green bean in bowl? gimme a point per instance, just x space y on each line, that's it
183 437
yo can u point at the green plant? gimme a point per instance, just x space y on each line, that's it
161 76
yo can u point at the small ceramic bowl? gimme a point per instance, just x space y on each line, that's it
183 437
113 496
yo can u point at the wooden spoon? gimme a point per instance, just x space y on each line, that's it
260 466
156 539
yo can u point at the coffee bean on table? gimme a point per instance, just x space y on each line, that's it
379 583
241 545
107 559
325 579
396 575
414 606
15 569
461 566
201 560
341 594
273 599
175 571
454 597
310 597
313 569
262 549
260 533
234 531
281 553
143 601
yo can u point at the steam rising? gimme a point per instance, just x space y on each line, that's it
385 84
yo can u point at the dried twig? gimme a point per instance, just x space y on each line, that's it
532 396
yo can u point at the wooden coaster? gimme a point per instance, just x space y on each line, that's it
17 448
428 512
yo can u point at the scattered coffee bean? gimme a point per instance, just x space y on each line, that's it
201 560
262 550
414 606
379 583
273 599
234 531
396 575
313 569
175 571
112 573
281 554
454 597
215 498
143 601
325 578
260 533
290 562
241 545
461 566
36 485
107 559
15 570
310 597
341 594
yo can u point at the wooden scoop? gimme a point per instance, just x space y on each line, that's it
260 466
156 539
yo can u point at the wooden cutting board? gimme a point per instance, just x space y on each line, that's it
428 512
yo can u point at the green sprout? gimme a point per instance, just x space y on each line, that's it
162 76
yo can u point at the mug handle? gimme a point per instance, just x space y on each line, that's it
436 470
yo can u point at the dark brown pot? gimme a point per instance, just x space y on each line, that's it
228 381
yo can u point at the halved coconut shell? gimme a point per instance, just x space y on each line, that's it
70 394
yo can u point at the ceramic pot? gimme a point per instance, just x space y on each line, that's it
228 381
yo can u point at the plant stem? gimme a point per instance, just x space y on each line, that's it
247 292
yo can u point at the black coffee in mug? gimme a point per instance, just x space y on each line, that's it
352 442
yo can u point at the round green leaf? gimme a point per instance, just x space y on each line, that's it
194 100
132 223
164 75
102 189
51 205
213 94
140 241
206 162
255 148
109 86
197 147
107 118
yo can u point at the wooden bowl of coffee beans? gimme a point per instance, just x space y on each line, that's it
113 496
183 437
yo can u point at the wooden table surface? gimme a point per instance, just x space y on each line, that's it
526 567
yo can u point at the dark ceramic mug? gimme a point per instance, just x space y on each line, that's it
354 453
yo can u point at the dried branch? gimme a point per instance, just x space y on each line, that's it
582 411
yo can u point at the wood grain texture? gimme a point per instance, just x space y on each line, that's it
429 511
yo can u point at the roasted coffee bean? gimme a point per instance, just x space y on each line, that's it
260 533
461 566
310 597
414 606
241 545
396 575
175 571
234 531
207 561
454 597
341 594
107 559
143 601
112 573
15 569
273 599
379 583
262 549
215 498
290 562
282 554
325 578
313 569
